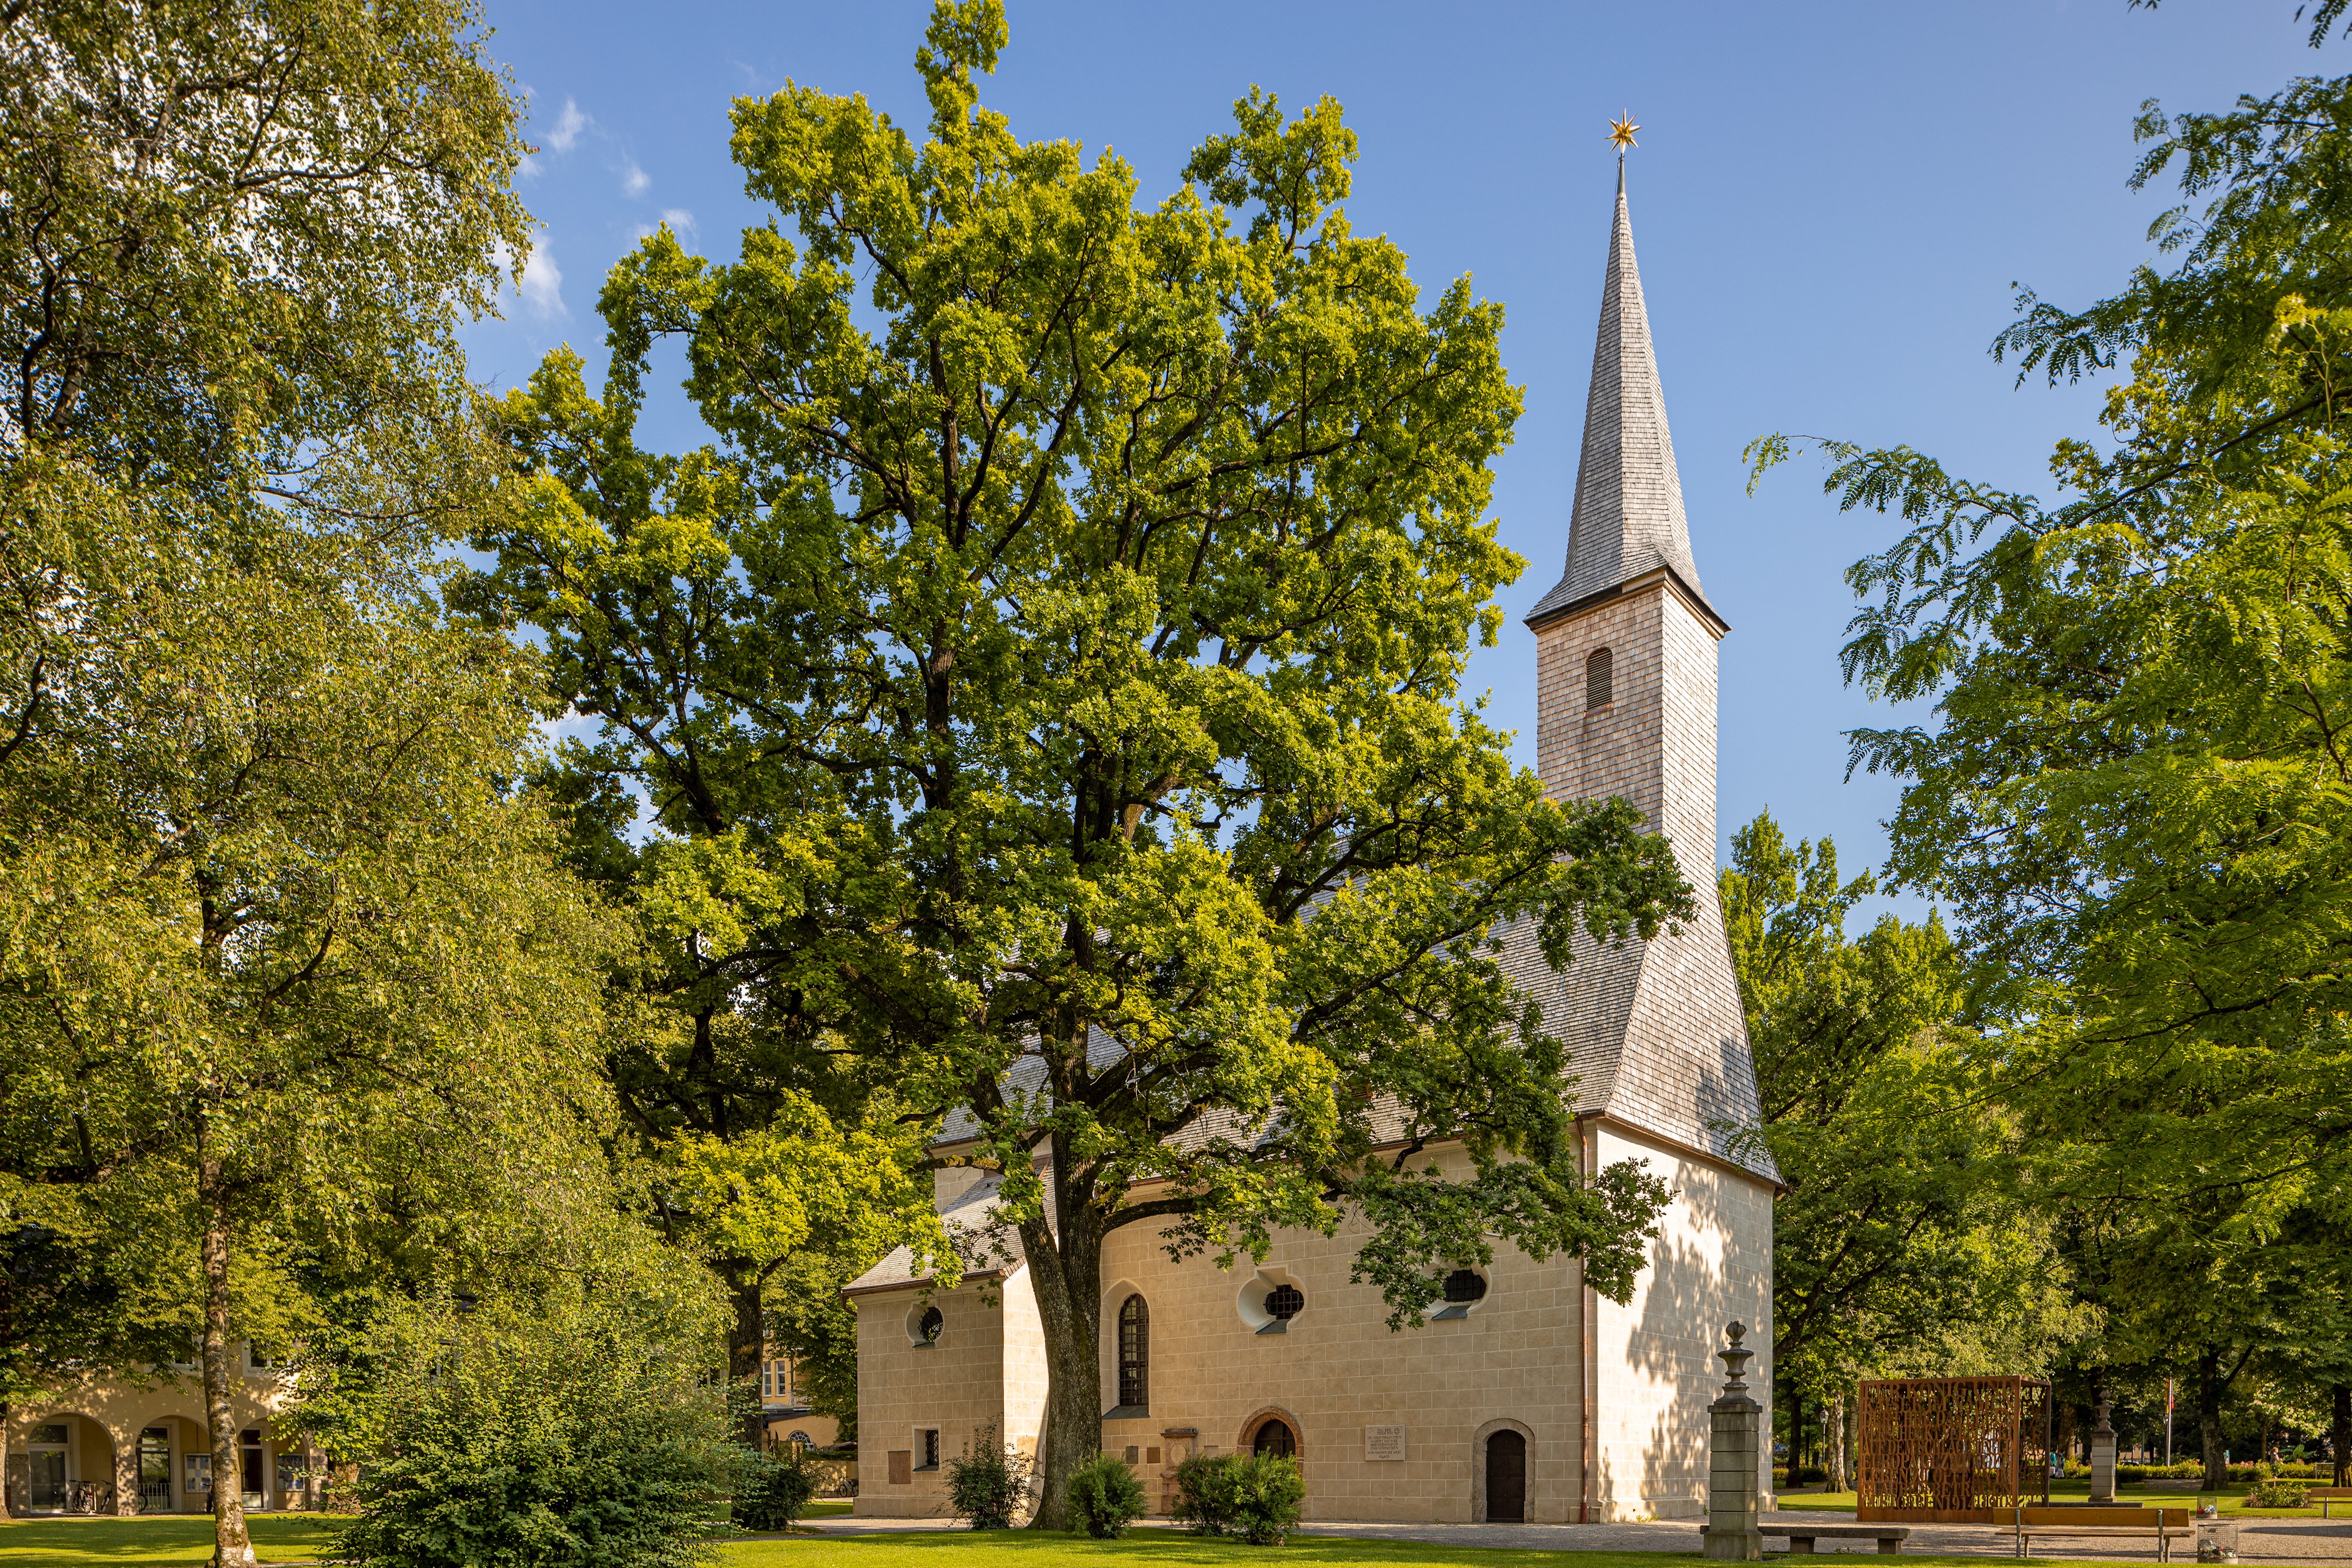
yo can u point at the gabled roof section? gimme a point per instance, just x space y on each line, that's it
1628 518
989 1251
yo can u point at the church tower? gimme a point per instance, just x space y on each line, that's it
1625 681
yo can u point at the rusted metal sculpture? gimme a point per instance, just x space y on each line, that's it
1952 1450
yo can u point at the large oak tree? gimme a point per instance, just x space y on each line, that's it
1046 688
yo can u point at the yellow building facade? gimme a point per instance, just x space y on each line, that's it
113 1445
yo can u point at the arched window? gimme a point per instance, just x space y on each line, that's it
1276 1438
1134 1353
1599 691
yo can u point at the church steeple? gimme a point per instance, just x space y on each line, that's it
1627 521
1625 708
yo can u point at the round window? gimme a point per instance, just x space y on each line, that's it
1465 1285
928 1326
1284 1302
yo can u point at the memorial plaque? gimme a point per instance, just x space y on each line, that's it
1383 1442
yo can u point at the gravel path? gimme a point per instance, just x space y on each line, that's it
2259 1540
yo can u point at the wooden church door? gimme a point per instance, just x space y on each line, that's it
1507 1477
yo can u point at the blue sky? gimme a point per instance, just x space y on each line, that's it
1831 204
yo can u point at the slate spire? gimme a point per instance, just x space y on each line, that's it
1628 517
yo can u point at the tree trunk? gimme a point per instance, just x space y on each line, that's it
2339 1434
2208 1419
747 1344
1066 1271
232 1547
1837 1476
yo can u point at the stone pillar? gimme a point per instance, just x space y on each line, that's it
1735 1443
2102 1454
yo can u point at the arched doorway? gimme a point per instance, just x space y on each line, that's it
1507 1477
69 1463
1275 1435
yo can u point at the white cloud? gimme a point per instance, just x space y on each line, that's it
528 169
568 127
541 288
680 222
634 180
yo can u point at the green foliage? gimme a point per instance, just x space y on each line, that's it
1897 1240
987 1482
1253 1495
286 975
773 1489
564 1432
1060 645
2278 1491
1105 1497
2135 798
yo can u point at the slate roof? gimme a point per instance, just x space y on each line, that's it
1628 516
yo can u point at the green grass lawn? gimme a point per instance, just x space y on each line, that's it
1168 1549
186 1542
173 1539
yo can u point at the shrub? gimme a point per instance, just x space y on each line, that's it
2279 1493
1104 1495
546 1434
985 1484
1253 1495
1800 1475
774 1490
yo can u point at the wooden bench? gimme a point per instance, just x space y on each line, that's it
2322 1496
1800 1537
2164 1535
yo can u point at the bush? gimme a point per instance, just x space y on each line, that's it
2279 1493
1104 1496
548 1435
1253 1495
986 1484
774 1490
2185 1470
1800 1475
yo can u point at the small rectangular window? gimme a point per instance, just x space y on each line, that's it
931 1441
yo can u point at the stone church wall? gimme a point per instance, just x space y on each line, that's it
1337 1370
954 1387
1711 1263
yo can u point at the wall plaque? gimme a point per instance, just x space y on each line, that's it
1383 1442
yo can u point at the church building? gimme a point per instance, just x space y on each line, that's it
1526 1396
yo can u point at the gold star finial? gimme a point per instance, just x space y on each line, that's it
1621 132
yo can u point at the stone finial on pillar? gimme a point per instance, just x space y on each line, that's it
1734 1449
2103 1452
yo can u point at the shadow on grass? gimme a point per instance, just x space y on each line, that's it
155 1541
